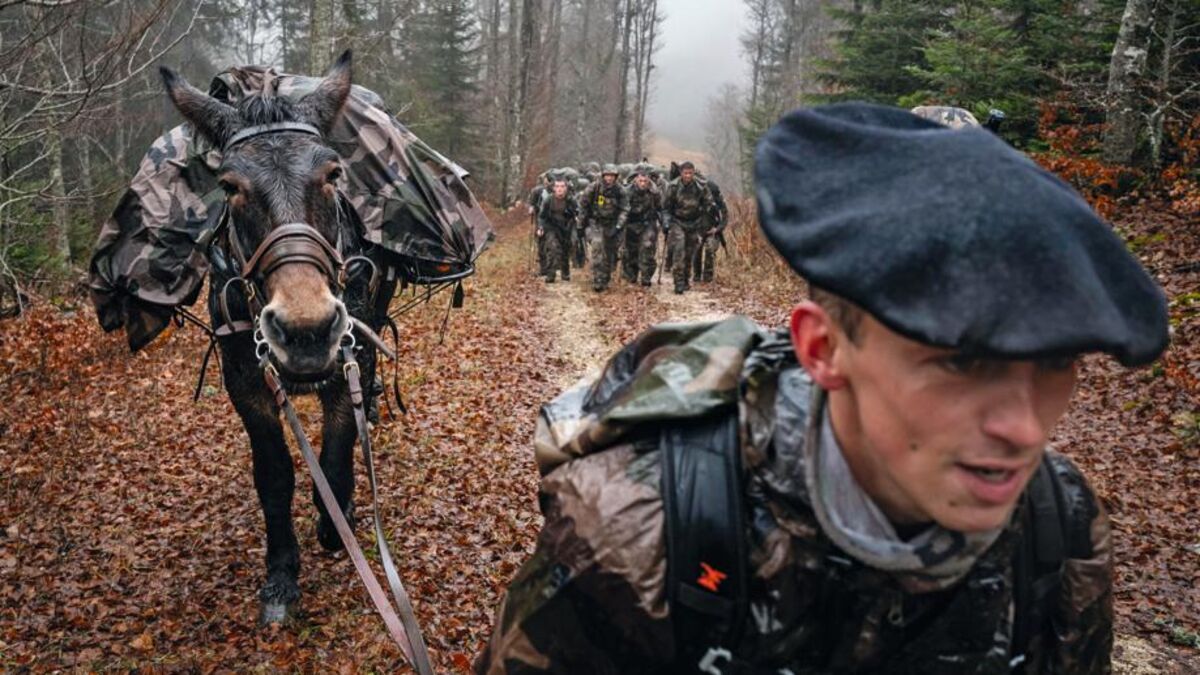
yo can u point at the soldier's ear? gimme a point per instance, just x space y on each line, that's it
816 339
322 107
213 119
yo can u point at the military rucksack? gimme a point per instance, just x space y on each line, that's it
707 571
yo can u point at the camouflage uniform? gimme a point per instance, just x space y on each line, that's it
556 219
684 207
714 220
641 234
603 210
591 599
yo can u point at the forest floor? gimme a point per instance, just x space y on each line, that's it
130 534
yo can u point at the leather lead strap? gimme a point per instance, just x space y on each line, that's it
412 647
421 656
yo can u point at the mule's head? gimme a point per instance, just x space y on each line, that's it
276 180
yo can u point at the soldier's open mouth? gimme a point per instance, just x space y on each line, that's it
995 476
992 484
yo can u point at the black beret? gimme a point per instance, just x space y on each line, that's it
951 237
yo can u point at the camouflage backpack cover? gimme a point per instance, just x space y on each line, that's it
151 255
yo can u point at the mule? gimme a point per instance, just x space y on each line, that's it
292 302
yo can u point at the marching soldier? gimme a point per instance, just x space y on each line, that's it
641 229
557 216
603 208
715 221
684 206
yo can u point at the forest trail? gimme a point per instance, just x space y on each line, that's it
129 530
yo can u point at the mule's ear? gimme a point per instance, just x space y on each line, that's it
213 119
322 107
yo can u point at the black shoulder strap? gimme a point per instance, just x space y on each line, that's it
1039 558
706 548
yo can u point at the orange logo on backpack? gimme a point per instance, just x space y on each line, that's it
710 578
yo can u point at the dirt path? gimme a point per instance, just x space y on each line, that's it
578 342
695 305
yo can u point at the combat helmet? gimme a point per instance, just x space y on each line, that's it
610 168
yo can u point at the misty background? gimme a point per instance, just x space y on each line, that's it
700 53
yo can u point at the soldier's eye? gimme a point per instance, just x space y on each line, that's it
960 364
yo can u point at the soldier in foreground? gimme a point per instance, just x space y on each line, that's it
869 490
641 229
603 208
684 206
556 222
713 235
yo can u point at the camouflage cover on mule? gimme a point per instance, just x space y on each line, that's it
151 254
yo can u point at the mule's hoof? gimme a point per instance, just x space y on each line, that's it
282 613
279 602
327 534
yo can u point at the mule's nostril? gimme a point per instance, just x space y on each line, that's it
273 326
340 319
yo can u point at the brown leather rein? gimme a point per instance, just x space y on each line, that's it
302 243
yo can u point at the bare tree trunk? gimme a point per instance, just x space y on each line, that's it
1164 99
553 54
530 11
1125 72
60 239
623 86
756 45
585 78
320 36
510 162
86 185
648 37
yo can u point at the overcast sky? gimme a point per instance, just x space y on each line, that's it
699 53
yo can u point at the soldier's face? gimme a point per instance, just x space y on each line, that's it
560 190
930 435
609 179
687 175
642 182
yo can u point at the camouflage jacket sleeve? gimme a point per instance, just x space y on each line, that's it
1083 619
591 599
667 203
586 196
622 206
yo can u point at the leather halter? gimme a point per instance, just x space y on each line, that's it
294 242
250 132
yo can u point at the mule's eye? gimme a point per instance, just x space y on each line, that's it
230 189
334 175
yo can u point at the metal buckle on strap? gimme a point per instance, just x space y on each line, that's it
250 132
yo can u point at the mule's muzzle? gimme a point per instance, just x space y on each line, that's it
305 347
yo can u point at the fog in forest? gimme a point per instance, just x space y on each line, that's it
700 53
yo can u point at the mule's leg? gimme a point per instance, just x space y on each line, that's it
338 434
275 482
